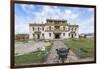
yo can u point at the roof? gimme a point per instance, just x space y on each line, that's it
56 20
36 24
73 25
87 34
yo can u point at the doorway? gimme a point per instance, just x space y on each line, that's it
72 36
57 36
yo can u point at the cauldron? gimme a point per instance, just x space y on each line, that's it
62 53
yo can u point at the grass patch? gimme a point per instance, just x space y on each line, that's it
32 57
23 41
83 47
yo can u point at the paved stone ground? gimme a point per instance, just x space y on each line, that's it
32 46
52 58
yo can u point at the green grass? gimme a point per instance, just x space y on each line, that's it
28 58
83 46
33 57
23 41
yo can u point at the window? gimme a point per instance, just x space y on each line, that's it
38 28
57 27
63 34
49 27
75 34
75 29
72 29
33 28
69 34
43 34
63 28
33 35
49 34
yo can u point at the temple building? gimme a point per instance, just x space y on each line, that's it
53 29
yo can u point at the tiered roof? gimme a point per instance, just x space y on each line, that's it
54 22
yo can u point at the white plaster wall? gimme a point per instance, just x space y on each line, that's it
67 35
77 33
30 32
64 37
61 27
52 27
47 35
46 28
61 35
66 28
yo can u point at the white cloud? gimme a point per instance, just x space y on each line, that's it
54 13
22 24
87 26
91 9
48 12
27 8
68 11
70 15
21 28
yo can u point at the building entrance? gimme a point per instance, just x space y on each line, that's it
72 35
57 36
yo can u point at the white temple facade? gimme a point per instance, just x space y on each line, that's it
53 29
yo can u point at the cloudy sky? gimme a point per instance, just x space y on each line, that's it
29 13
